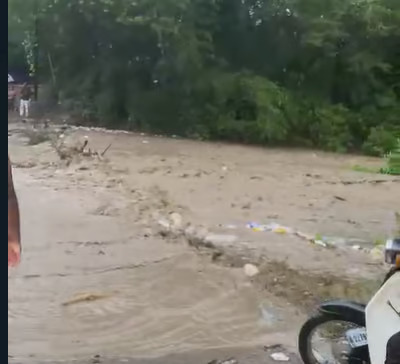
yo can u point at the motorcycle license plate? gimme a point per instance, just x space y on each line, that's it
357 337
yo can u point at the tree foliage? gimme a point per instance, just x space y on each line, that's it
295 72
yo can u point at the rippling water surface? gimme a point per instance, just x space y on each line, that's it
88 285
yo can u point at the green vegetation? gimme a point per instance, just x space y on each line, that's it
314 73
393 162
379 241
363 169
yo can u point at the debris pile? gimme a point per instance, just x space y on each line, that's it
67 152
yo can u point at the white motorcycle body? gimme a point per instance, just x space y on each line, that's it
382 321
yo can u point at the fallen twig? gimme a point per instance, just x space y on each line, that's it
105 150
86 297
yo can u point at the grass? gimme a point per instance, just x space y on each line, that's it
393 162
364 169
379 241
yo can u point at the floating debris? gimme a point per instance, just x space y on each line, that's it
85 297
274 227
317 239
280 357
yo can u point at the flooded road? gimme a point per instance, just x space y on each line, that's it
93 285
98 283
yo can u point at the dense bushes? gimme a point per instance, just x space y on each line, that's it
300 72
381 140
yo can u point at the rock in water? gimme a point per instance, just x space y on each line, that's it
176 221
251 270
280 357
164 226
228 361
195 235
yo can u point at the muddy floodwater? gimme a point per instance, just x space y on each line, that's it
98 280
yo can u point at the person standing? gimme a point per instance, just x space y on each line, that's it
14 236
25 100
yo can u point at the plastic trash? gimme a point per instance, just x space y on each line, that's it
256 227
274 227
280 230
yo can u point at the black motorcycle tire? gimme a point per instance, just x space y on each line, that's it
307 330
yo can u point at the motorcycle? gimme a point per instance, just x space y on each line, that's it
355 333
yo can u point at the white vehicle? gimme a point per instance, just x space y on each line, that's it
351 333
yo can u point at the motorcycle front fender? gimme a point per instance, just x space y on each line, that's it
345 310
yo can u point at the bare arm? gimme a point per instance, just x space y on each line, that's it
13 211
